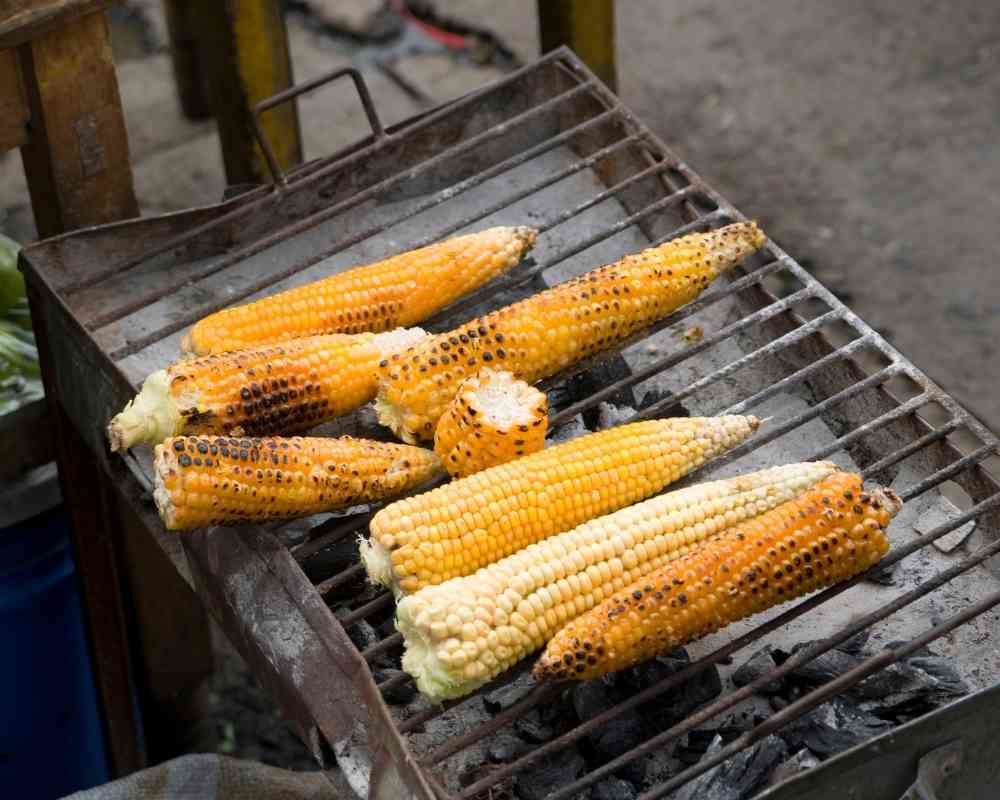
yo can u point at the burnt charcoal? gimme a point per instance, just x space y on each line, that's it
825 667
755 667
738 777
609 415
532 728
654 396
833 727
613 789
363 634
942 673
503 697
569 430
697 743
777 702
591 698
332 560
506 747
398 694
856 643
887 681
583 385
616 737
804 759
671 707
549 773
651 768
932 682
883 575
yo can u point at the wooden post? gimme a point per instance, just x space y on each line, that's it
587 27
245 43
76 158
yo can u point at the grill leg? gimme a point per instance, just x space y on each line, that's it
245 44
587 27
76 158
188 60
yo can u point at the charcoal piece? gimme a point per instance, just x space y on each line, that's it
362 634
569 430
825 667
777 702
591 698
398 694
883 574
758 665
654 396
616 737
833 727
942 673
932 682
888 680
532 728
697 742
332 561
856 643
505 747
549 773
613 789
503 697
738 777
804 759
677 703
650 769
584 384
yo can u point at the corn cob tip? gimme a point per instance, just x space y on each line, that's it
378 563
526 236
150 417
161 495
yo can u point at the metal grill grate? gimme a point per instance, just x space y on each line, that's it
550 146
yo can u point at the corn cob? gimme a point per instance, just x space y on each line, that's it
463 633
215 480
544 334
286 388
830 534
493 419
398 292
469 523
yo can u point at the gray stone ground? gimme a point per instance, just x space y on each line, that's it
864 135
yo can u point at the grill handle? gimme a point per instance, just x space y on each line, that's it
277 175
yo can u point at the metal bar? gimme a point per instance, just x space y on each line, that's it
395 681
805 655
342 577
876 424
328 533
387 643
382 601
761 315
951 470
820 696
911 448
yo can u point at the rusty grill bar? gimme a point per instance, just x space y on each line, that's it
787 337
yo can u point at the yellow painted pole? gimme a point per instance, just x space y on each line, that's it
587 27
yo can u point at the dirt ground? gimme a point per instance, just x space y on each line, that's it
863 135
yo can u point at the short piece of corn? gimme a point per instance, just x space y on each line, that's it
216 480
398 292
282 389
493 419
548 332
471 522
831 533
466 631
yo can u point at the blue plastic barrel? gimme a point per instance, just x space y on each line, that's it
51 742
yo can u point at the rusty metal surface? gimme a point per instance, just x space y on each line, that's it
551 145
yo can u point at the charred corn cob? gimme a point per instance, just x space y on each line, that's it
215 480
493 419
544 334
286 388
469 523
466 631
830 534
398 292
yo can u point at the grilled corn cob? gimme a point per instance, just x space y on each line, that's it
493 419
215 480
398 292
469 523
286 388
468 630
830 534
544 334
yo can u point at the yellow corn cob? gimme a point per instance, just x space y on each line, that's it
544 334
215 480
286 388
469 523
493 419
398 292
466 631
828 535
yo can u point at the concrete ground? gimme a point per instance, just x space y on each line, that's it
864 136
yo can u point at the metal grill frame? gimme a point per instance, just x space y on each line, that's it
256 586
